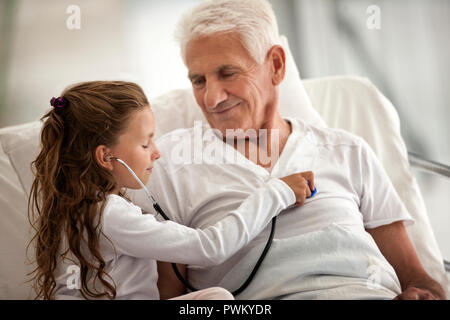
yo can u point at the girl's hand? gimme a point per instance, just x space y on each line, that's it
302 184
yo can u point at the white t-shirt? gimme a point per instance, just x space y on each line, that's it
320 250
137 240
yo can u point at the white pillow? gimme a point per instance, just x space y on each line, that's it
294 101
21 144
14 235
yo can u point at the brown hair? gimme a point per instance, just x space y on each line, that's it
70 186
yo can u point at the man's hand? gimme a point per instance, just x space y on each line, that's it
302 184
426 289
413 293
393 242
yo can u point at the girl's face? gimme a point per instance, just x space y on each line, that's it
136 148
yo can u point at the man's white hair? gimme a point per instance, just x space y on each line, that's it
253 20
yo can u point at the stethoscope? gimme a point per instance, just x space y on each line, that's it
174 266
155 204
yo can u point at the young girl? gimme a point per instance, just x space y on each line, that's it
87 230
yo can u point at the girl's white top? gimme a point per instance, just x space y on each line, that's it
137 241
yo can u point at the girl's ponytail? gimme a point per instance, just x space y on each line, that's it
43 203
70 188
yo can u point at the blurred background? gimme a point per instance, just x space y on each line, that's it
402 46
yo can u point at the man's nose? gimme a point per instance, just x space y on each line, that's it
214 94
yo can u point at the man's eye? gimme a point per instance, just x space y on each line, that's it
198 82
227 75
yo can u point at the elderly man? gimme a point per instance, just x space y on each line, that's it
347 242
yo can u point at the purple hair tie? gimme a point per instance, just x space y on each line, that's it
59 102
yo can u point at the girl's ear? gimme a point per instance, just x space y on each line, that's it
103 157
277 59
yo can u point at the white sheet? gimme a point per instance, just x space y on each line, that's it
359 271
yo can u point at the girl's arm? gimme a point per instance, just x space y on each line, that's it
138 235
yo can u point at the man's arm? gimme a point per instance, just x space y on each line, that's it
168 284
394 244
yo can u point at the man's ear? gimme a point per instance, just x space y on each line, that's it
102 156
277 60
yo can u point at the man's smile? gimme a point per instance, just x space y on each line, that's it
226 109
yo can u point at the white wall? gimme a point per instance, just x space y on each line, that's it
128 40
